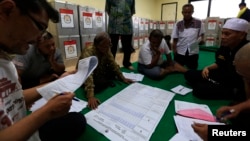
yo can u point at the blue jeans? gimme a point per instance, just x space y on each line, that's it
153 73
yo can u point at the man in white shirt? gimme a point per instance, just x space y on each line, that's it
151 60
187 34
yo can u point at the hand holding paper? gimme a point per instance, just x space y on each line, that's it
190 113
76 106
71 82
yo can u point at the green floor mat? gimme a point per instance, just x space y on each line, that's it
166 127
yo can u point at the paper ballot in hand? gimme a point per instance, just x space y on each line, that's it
71 82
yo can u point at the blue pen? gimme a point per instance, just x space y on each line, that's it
74 98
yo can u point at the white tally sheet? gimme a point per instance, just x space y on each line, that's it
132 114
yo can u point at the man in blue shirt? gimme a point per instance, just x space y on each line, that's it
41 64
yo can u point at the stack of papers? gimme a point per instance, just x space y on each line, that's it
187 114
184 127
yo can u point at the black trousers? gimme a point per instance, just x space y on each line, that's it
190 61
127 47
67 128
217 87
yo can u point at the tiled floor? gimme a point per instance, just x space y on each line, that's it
133 58
118 59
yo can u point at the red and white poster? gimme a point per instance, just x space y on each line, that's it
67 18
70 49
170 25
142 25
210 41
98 19
136 22
162 25
87 20
211 25
88 44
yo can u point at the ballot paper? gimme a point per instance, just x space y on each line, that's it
182 90
184 127
72 82
132 114
133 76
194 110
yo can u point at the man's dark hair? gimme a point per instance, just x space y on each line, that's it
242 4
188 5
36 6
167 39
156 34
47 35
100 37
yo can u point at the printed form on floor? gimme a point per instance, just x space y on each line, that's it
136 111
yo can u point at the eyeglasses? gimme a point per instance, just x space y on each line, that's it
38 25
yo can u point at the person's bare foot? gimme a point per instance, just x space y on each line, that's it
170 69
130 68
179 68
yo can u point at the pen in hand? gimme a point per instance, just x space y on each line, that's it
74 98
225 114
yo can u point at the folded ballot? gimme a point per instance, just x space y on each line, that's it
193 110
197 113
72 82
189 113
